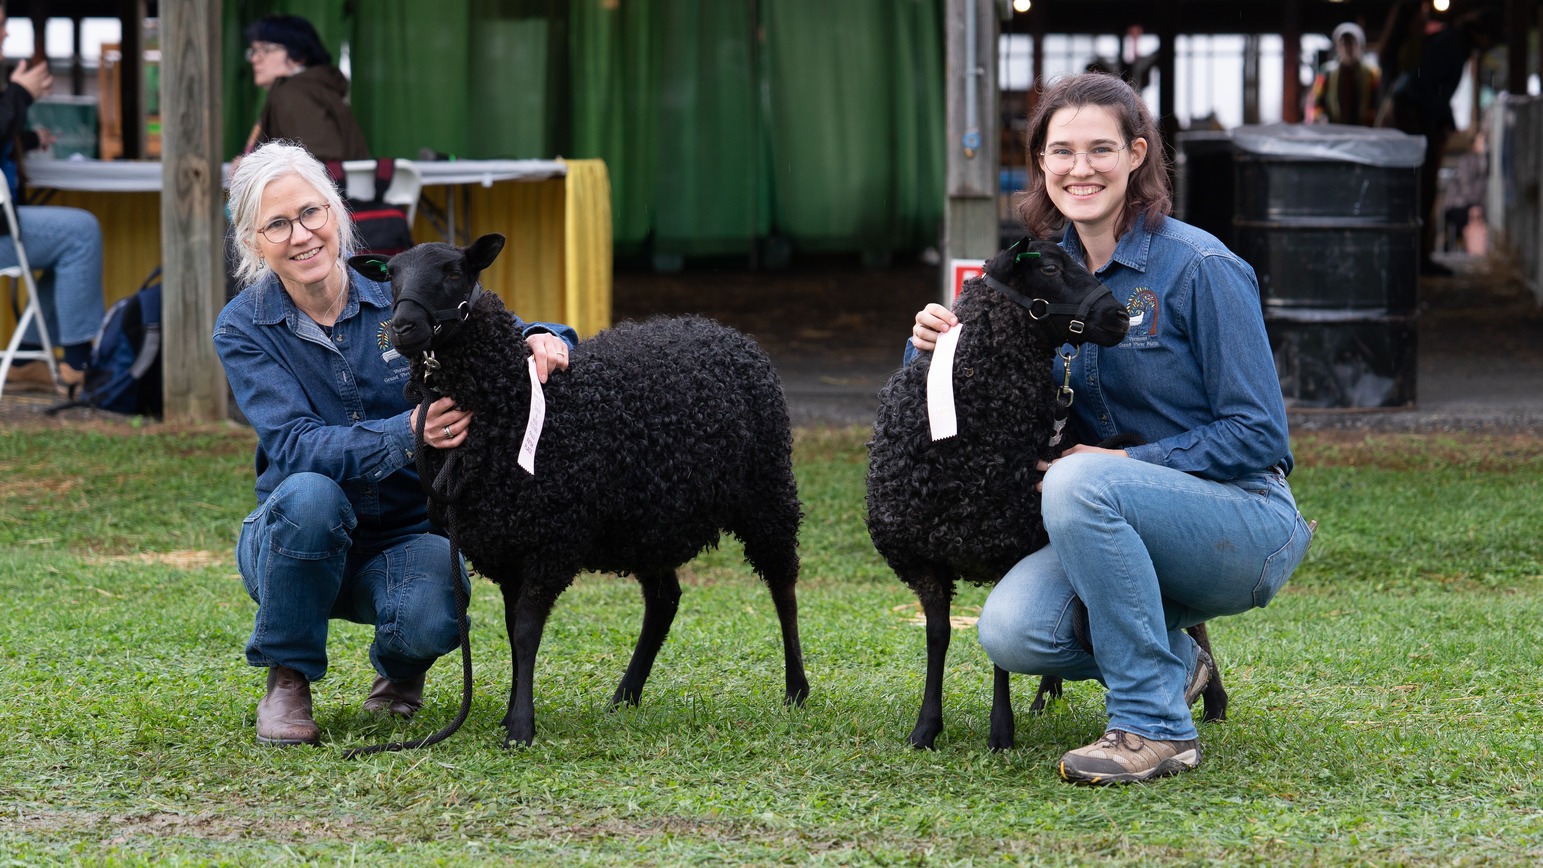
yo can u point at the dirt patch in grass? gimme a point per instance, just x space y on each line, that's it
1392 451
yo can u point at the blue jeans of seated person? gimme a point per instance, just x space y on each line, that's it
1149 550
302 567
66 245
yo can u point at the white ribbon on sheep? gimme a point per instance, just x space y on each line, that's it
941 414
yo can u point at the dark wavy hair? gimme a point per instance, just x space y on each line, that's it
1148 190
297 36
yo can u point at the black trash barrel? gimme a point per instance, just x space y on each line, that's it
1329 218
1203 194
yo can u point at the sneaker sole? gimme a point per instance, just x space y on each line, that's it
1181 762
288 742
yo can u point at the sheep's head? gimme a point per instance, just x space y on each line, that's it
433 288
1045 280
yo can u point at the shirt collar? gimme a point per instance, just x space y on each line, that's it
271 304
1132 251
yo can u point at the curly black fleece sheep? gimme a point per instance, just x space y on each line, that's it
964 507
658 437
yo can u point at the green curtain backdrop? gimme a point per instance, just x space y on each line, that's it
615 97
721 122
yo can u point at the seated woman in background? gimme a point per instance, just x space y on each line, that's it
65 244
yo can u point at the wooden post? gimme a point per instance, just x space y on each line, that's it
971 230
1291 60
131 76
192 212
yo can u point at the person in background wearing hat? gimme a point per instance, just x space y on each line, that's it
65 244
307 95
1345 90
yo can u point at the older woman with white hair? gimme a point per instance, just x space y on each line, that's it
341 529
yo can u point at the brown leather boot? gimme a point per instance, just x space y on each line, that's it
284 714
402 698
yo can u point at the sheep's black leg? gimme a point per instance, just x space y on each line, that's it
661 599
1049 688
929 722
1214 695
785 598
1002 735
525 615
771 547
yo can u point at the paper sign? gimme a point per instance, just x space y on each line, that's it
962 270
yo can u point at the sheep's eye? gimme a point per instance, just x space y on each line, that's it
454 274
1051 269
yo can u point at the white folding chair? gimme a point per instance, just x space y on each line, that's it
21 273
406 184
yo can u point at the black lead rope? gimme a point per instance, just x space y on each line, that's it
438 490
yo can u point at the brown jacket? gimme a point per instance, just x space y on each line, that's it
308 108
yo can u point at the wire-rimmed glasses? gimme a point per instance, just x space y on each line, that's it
258 49
1061 161
279 229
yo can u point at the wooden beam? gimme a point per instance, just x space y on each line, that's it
131 77
192 210
1516 49
1291 59
971 229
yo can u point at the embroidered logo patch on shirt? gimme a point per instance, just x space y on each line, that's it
383 342
1143 310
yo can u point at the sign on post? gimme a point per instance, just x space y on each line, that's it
962 270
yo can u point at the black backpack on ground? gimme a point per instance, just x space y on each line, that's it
124 372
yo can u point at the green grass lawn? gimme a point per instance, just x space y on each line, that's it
1385 708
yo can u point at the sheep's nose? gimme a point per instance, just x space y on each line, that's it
401 330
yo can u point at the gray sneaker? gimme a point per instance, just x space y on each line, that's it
1121 758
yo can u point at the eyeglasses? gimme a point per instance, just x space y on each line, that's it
1100 159
279 229
259 49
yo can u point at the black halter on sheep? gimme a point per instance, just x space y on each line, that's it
964 506
659 437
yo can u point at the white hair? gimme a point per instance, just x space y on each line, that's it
268 163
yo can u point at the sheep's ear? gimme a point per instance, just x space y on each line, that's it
371 265
483 251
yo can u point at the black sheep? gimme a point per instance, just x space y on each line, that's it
658 437
964 507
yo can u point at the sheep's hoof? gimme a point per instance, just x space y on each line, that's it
519 736
999 743
623 697
796 697
923 737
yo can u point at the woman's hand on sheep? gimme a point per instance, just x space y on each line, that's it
446 424
931 321
550 352
1044 466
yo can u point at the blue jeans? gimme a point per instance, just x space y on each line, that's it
303 566
1149 551
66 245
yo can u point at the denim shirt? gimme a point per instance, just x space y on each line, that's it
1195 376
330 404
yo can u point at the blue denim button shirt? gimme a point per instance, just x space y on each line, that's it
330 404
1195 376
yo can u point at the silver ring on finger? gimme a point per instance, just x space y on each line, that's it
448 432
